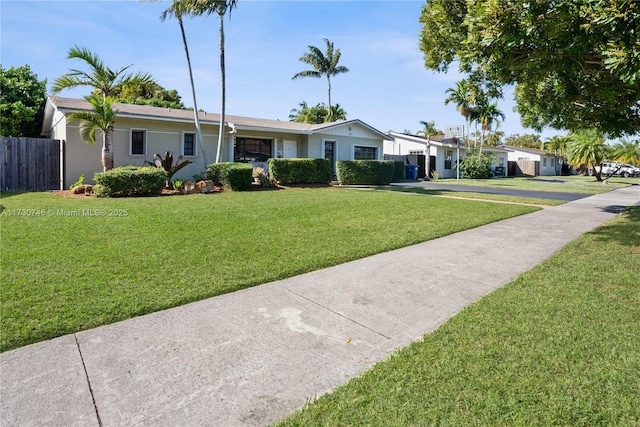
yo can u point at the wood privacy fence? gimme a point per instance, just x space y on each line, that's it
31 164
524 168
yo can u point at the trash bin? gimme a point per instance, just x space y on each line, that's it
412 172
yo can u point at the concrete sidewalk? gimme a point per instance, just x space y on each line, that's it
252 357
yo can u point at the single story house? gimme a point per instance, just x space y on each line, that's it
443 151
141 131
532 161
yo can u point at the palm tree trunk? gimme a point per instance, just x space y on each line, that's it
222 78
329 115
193 93
107 149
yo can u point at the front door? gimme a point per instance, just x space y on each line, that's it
290 149
330 153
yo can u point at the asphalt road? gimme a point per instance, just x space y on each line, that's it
505 191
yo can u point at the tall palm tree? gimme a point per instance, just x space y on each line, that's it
429 130
587 149
558 144
178 9
462 96
627 152
105 83
323 65
102 117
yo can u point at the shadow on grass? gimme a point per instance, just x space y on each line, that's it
625 232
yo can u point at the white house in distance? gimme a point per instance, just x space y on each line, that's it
443 149
141 131
531 161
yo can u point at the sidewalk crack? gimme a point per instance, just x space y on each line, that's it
86 374
335 312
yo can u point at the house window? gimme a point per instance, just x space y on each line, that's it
189 144
553 162
249 150
365 153
448 158
137 142
416 152
544 162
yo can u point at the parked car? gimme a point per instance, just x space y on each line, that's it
622 169
627 170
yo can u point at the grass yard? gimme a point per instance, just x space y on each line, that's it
560 345
70 264
561 184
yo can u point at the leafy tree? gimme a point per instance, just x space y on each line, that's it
575 64
558 144
526 141
627 152
106 83
22 98
316 114
495 138
102 117
323 65
587 150
149 93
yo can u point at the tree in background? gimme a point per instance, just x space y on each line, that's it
574 64
558 144
587 149
487 113
106 83
463 98
316 114
149 93
22 99
429 130
627 152
525 141
323 65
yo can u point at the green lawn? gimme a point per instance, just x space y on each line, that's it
561 184
560 345
70 264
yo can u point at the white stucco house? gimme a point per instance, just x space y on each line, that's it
443 150
531 161
141 131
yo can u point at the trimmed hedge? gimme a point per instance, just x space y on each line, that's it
399 171
130 181
365 172
232 175
301 171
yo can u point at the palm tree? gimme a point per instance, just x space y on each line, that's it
177 9
429 131
323 65
461 95
105 83
627 152
558 144
587 149
102 117
487 113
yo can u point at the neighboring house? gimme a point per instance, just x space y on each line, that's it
531 161
443 151
141 131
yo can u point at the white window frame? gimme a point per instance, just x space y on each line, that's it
144 142
353 150
544 162
195 144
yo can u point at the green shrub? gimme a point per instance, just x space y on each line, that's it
477 165
231 175
399 171
365 172
301 171
130 181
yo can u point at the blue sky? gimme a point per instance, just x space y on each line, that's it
387 86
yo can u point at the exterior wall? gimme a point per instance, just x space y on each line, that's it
548 163
402 147
548 166
344 145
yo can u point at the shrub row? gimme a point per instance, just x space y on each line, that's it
129 181
399 171
365 172
301 171
234 176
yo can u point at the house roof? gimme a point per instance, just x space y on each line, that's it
69 105
436 140
529 150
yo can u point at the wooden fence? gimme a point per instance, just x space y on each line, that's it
31 164
524 168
